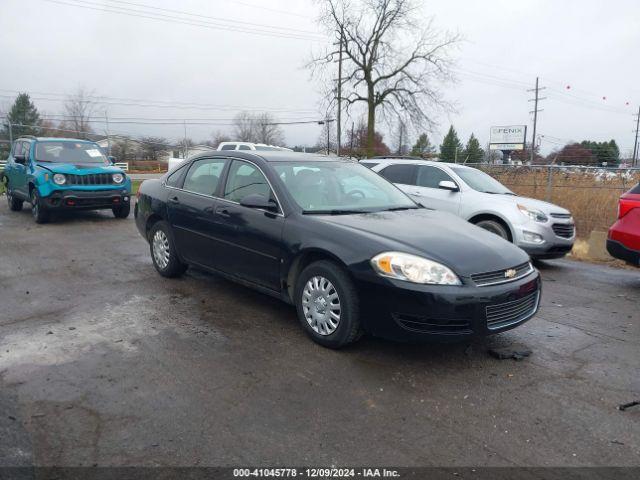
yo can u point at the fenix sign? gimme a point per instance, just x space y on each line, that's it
509 137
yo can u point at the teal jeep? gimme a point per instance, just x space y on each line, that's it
64 174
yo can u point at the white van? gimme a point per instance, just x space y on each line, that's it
250 146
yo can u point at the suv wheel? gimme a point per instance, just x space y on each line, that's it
494 227
15 204
38 211
122 211
163 251
327 305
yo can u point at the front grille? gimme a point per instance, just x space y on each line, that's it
422 324
564 230
91 179
561 215
500 276
508 313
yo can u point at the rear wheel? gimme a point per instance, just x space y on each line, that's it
327 304
494 226
15 203
163 251
38 211
122 211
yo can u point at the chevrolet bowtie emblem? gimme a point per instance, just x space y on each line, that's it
510 273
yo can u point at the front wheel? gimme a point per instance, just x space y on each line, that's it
494 227
327 304
122 211
163 251
39 213
15 204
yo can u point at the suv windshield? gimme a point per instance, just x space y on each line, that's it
339 187
69 152
480 181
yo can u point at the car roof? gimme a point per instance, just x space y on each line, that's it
271 156
412 161
56 139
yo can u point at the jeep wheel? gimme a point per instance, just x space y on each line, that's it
38 211
122 211
163 251
15 204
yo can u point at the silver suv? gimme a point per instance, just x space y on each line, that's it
542 229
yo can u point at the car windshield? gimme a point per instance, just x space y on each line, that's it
339 187
70 152
480 181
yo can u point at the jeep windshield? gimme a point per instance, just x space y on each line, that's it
70 152
340 187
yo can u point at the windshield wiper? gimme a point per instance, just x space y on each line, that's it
396 209
335 211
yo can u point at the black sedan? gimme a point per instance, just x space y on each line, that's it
351 251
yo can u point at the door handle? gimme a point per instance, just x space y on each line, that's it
223 212
417 194
174 200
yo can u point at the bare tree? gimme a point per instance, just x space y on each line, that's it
401 141
258 128
393 59
152 147
217 138
79 107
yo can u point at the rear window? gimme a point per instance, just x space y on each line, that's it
635 189
369 165
401 173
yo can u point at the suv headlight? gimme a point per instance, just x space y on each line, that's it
118 178
411 268
59 179
533 213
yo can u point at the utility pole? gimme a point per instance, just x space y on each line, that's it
351 146
328 125
10 131
535 111
185 151
635 143
106 118
339 130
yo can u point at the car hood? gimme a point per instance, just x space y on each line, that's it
440 236
545 207
79 169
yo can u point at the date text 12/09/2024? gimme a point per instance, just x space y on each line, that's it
316 472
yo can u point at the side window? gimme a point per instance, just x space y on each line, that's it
431 177
245 179
244 147
228 147
17 148
204 175
369 165
404 174
174 179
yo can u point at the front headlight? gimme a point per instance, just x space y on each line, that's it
533 213
59 179
412 268
118 178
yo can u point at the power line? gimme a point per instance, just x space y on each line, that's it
182 21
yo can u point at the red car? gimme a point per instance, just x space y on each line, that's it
624 235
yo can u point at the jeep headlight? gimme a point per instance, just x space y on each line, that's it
59 179
118 178
411 268
533 213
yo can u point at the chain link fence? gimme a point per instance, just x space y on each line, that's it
590 193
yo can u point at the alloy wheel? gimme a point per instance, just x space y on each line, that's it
161 249
321 305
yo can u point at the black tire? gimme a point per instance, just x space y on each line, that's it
15 203
348 328
38 211
495 227
122 211
173 267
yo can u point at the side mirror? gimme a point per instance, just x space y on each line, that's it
112 159
21 159
255 200
448 185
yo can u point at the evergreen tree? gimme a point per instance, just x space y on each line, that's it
473 153
423 147
23 112
451 146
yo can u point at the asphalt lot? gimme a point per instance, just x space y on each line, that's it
104 362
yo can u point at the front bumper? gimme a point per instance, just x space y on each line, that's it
551 245
618 250
86 199
409 312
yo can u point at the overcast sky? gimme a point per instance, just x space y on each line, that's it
49 48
